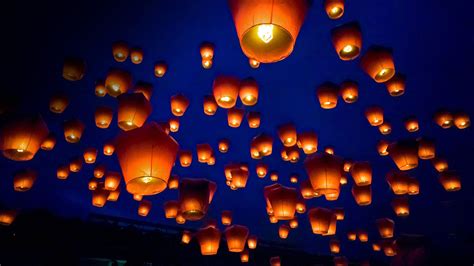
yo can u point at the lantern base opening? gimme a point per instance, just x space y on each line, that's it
265 49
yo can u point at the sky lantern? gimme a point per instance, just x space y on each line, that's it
462 120
118 82
308 141
186 237
275 261
144 208
293 223
382 147
426 149
253 119
99 171
351 235
120 51
223 145
209 105
103 116
58 103
334 245
114 195
261 170
293 154
329 149
347 40
62 172
145 88
195 196
93 184
261 146
137 197
398 182
112 180
209 240
252 242
347 165
287 134
396 85
294 178
343 180
204 152
49 142
306 189
226 90
136 55
400 206
324 172
362 195
254 63
248 92
226 217
413 186
21 139
440 164
378 63
300 206
362 173
385 128
274 176
75 165
99 197
108 149
327 94
272 219
171 209
283 231
24 180
180 218
7 217
73 68
339 212
320 219
374 115
450 180
173 182
236 236
363 236
267 31
207 54
443 118
235 116
237 174
411 124
146 156
133 111
334 8
160 69
185 158
389 248
174 124
404 154
386 227
179 104
376 247
349 91
284 155
73 130
99 88
244 256
282 201
332 196
90 155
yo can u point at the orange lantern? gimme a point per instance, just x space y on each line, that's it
343 180
146 156
347 40
308 141
443 118
274 176
237 174
73 130
376 247
24 180
413 186
362 173
75 165
136 55
275 261
374 115
114 195
282 201
186 237
382 147
440 164
179 104
401 206
209 240
261 170
180 218
426 149
351 236
324 171
160 69
347 165
287 134
224 145
339 212
404 154
386 227
118 82
267 32
108 149
332 226
173 182
120 51
396 85
21 139
300 206
306 189
204 152
235 116
363 236
144 208
272 219
252 242
99 197
349 91
334 8
261 146
320 219
207 54
248 92
253 63
58 103
185 158
340 261
293 154
100 90
137 197
144 88
171 209
462 120
93 184
398 182
411 124
226 90
294 178
99 171
174 124
244 256
332 196
209 105
226 217
236 236
73 68
90 155
385 128
450 181
133 111
389 248
49 142
378 63
7 217
195 196
62 172
112 180
283 231
327 94
254 119
103 116
362 195
329 150
334 246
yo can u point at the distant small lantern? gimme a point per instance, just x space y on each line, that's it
136 55
99 197
362 195
186 237
209 240
73 68
450 180
378 63
185 158
93 184
282 201
385 128
348 165
112 180
273 219
413 186
274 176
382 147
173 182
75 165
324 171
283 231
293 223
248 92
374 115
58 103
226 90
160 69
235 116
195 196
174 124
90 155
253 119
307 191
114 195
327 94
207 54
275 261
144 208
62 172
334 246
300 206
236 236
137 197
362 173
389 249
347 40
396 85
426 149
226 217
244 256
293 154
462 120
224 145
171 209
320 220
351 236
133 111
308 141
108 149
343 180
386 227
180 218
444 119
261 146
404 154
294 178
401 206
411 124
204 152
287 134
349 91
334 8
252 242
363 236
440 164
103 116
179 104
73 130
144 88
120 51
339 212
99 171
49 142
329 150
209 105
7 217
254 63
376 247
24 180
261 170
118 82
99 88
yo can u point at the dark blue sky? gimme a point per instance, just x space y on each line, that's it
432 43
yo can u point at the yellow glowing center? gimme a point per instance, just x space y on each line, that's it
463 123
327 103
265 150
335 10
115 87
72 136
446 122
265 32
135 58
159 72
289 140
20 150
129 123
248 98
376 120
209 110
383 72
225 99
206 63
119 55
348 49
146 179
89 159
177 110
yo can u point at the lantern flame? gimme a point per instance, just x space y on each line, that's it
265 32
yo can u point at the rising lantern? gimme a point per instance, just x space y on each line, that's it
207 54
7 217
103 116
401 206
252 242
100 90
261 146
235 116
179 104
349 91
136 55
411 124
133 111
378 63
462 120
62 172
171 209
120 51
118 82
209 240
347 40
112 180
160 69
386 227
58 103
281 200
226 90
75 165
440 164
145 88
253 63
334 8
185 158
320 219
362 195
248 92
108 149
275 261
144 208
204 152
195 196
426 149
209 105
450 180
224 145
404 154
24 180
362 173
283 231
334 246
382 147
261 170
236 236
244 256
226 217
73 130
174 124
287 134
385 128
73 68
308 141
443 118
99 197
374 115
324 172
186 237
327 94
49 142
90 155
396 85
173 182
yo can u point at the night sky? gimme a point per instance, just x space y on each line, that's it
432 43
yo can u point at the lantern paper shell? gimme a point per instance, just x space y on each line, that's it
224 145
347 40
362 195
62 172
144 208
112 180
362 173
226 90
440 164
179 104
103 116
118 82
209 105
252 242
363 236
411 124
49 142
236 236
398 182
306 189
351 236
308 141
404 154
378 63
186 237
100 90
226 217
426 149
401 206
386 227
75 165
327 94
334 8
450 181
204 152
374 115
324 172
396 85
146 157
349 91
114 195
99 197
235 117
7 217
261 170
382 147
207 54
462 120
261 146
248 92
274 176
320 220
444 119
267 31
99 171
171 209
244 256
173 182
24 180
133 111
385 128
73 69
145 88
287 134
283 231
334 246
340 214
174 124
137 197
282 201
21 139
275 261
293 223
209 240
254 119
93 184
160 69
58 103
136 55
195 196
120 51
108 149
90 155
73 130
185 158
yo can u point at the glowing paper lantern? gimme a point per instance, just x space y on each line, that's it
144 208
306 189
99 171
58 103
320 219
426 149
173 182
226 217
21 139
204 152
283 231
24 180
103 116
180 218
195 196
396 85
413 186
62 172
363 236
136 55
386 227
362 195
235 116
120 51
209 240
443 118
209 105
389 248
73 130
261 146
374 115
347 40
398 182
282 201
349 91
385 128
224 145
294 178
236 236
114 195
144 88
252 242
261 170
185 158
253 63
404 154
293 223
108 149
186 237
90 155
7 217
100 90
376 247
137 197
329 150
275 261
462 120
334 246
274 176
378 63
49 142
93 184
308 141
450 180
300 206
401 206
118 82
171 209
99 197
382 147
174 124
351 236
248 92
226 90
362 173
75 165
411 124
112 180
73 68
267 31
160 69
334 8
244 256
324 172
327 94
133 111
287 134
440 164
339 212
179 104
207 54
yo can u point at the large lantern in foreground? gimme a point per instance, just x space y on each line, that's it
118 82
195 196
267 30
347 40
324 172
236 236
21 139
24 180
226 90
146 156
133 111
378 63
281 200
404 154
209 239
